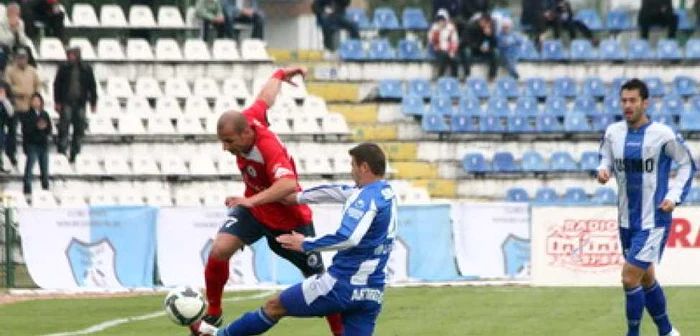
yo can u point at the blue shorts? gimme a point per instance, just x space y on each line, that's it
323 295
641 248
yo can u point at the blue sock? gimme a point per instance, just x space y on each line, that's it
656 305
635 309
251 323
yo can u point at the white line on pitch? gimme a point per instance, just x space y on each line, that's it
113 323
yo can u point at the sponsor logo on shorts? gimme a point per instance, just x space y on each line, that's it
367 294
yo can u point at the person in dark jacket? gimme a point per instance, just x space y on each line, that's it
47 12
73 86
451 6
657 13
36 130
469 8
480 42
560 14
533 16
330 15
6 113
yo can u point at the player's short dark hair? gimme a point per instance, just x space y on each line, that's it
636 84
371 154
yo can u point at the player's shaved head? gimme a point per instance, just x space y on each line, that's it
232 121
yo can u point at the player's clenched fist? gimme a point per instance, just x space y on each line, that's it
286 74
603 176
667 205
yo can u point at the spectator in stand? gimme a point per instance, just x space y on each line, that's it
480 42
6 112
330 15
509 42
211 13
657 13
245 11
36 130
451 6
471 8
47 12
444 40
24 82
559 14
73 87
12 30
533 16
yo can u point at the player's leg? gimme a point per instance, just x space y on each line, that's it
654 297
631 282
361 322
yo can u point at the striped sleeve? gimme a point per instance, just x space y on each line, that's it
677 150
357 219
330 193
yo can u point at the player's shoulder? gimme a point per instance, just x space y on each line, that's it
619 127
661 130
379 192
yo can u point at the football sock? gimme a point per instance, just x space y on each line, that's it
635 309
215 276
251 323
655 302
335 323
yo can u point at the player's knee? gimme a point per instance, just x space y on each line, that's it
224 247
630 280
274 308
648 280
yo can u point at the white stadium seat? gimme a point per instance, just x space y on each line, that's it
279 125
170 17
210 123
341 162
173 165
52 49
84 16
148 87
108 106
109 49
225 50
298 91
43 199
59 165
187 199
206 87
334 123
87 52
18 200
141 16
315 106
100 125
88 165
119 87
177 87
144 165
167 49
101 197
305 125
139 50
317 163
131 125
254 50
138 106
197 106
191 19
188 124
168 107
196 50
214 198
159 198
415 195
131 198
117 165
202 165
160 125
226 164
112 16
235 87
71 200
225 103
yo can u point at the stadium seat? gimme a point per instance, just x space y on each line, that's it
562 161
546 196
469 106
553 50
202 165
433 122
51 49
189 125
507 87
171 164
555 106
673 104
385 19
478 87
475 163
692 49
138 50
535 87
278 124
517 195
611 104
109 49
160 125
141 16
71 200
351 50
441 105
138 106
185 198
575 195
380 49
448 86
576 122
420 87
170 17
100 125
225 50
334 123
87 52
504 162
690 122
564 87
317 164
684 21
589 161
358 16
119 87
590 18
416 195
254 50
88 165
519 124
639 49
582 50
390 89
43 199
148 87
196 50
59 165
167 49
528 52
84 16
131 125
548 123
533 162
594 87
413 18
111 16
315 106
491 124
669 50
611 50
693 196
168 107
461 123
685 86
602 121
410 51
617 20
116 166
586 105
235 87
498 106
303 124
526 106
108 106
159 198
206 87
177 87
694 104
616 85
412 105
655 86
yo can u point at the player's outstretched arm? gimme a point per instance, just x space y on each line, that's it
277 192
269 92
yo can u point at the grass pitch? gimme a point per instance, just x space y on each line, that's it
453 311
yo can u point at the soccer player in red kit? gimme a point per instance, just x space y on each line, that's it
269 175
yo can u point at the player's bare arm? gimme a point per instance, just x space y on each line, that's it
278 192
269 92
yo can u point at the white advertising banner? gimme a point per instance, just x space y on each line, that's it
492 240
581 247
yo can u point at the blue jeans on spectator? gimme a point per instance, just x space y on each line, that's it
257 21
330 24
223 29
510 61
36 152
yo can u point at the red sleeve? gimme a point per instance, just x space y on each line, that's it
278 164
258 111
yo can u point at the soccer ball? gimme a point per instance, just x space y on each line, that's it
184 305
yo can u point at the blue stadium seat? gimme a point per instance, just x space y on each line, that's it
611 50
604 196
653 107
562 161
448 86
590 161
590 18
616 85
555 106
576 122
553 50
475 163
507 87
666 119
469 106
694 103
582 50
639 49
413 18
692 49
672 104
380 49
410 51
611 105
693 196
669 50
358 16
618 20
586 105
420 87
593 86
526 106
385 19
690 122
351 50
685 86
441 105
433 122
528 52
519 124
504 162
535 87
548 124
601 122
517 195
491 124
684 21
498 106
655 86
564 87
546 196
462 123
534 162
390 89
478 87
575 195
412 105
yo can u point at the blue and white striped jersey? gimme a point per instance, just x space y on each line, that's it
366 235
641 162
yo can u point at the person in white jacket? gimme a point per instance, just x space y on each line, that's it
444 40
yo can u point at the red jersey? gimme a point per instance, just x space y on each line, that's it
266 163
